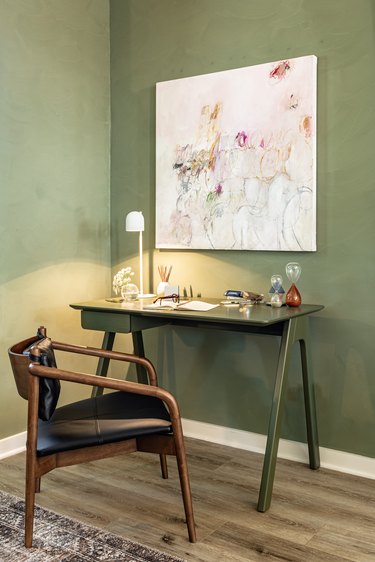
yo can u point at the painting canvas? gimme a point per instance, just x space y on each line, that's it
236 159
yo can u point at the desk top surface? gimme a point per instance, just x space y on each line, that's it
258 314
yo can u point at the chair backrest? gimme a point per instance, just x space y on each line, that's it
20 355
20 365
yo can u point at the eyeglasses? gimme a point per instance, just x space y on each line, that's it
174 298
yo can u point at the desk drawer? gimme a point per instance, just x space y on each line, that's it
105 321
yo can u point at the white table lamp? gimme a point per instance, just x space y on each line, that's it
135 222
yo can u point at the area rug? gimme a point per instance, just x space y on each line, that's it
61 539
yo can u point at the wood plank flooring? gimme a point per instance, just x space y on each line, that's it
315 516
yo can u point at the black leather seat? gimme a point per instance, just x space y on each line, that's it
102 419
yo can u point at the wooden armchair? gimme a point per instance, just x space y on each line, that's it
134 417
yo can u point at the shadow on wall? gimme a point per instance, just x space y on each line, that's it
219 377
227 379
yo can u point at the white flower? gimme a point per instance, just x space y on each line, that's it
122 277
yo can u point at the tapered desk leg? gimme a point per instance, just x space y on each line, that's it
310 408
139 350
274 428
294 330
143 378
103 363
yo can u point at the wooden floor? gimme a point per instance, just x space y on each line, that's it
315 516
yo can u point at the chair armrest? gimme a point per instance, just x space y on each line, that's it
106 382
115 355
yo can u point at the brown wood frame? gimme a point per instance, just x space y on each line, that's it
27 376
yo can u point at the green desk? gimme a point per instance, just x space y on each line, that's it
291 324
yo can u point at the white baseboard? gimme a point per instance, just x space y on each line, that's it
12 445
291 450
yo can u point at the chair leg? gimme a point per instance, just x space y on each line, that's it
185 482
37 485
31 483
163 465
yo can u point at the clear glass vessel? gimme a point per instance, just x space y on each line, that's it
293 296
129 292
277 291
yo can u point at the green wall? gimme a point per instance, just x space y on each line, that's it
54 174
227 378
54 212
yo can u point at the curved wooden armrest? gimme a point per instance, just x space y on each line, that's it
115 355
106 382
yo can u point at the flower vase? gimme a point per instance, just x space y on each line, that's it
293 297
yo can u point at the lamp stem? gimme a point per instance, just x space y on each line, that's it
140 264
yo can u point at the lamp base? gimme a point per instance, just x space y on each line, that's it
146 296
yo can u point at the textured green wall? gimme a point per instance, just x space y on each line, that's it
225 378
54 174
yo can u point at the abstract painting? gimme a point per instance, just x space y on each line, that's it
236 159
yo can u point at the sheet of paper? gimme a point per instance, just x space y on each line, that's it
166 304
199 306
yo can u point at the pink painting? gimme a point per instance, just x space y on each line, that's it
236 159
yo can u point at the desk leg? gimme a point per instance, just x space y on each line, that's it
274 428
310 409
103 363
139 350
294 330
143 378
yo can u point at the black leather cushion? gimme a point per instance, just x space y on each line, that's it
49 389
102 419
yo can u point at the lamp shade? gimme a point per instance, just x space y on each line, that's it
135 222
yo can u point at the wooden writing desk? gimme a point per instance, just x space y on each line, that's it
288 323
